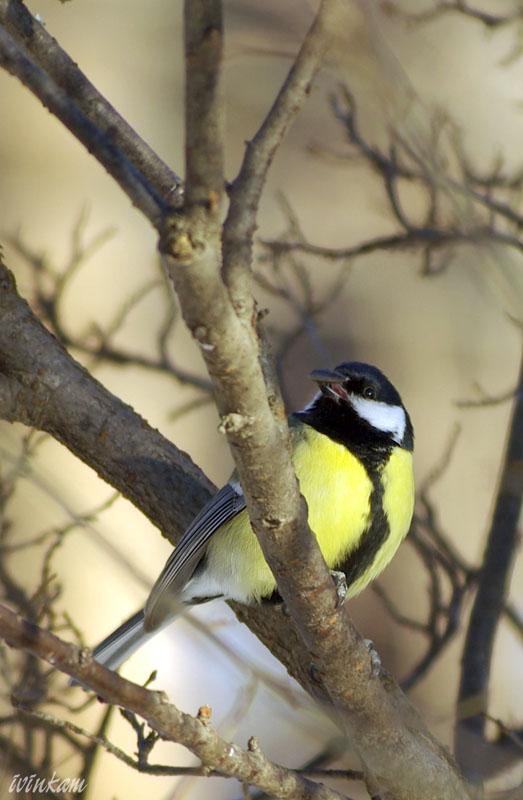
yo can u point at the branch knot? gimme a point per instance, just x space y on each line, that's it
234 423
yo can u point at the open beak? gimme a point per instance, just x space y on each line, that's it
330 383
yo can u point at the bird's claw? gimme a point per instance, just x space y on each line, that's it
375 659
340 581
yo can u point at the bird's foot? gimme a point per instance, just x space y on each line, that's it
375 659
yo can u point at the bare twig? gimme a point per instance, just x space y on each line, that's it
491 219
101 740
442 7
249 766
486 399
245 190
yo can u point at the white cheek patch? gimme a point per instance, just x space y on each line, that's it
389 419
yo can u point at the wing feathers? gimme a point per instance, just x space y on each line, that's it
164 599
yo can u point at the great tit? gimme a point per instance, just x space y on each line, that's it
352 451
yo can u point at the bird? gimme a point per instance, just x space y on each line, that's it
352 450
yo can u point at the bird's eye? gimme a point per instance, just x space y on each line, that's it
369 392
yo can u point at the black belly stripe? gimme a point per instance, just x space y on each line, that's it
360 559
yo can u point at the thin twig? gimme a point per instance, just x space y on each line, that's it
245 190
249 766
101 740
461 7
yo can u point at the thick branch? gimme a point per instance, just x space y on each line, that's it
204 107
255 424
249 766
42 386
400 757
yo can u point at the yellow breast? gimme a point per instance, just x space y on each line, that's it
338 490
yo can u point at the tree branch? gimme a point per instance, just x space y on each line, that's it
406 758
443 7
493 584
249 766
204 112
401 759
42 386
245 191
57 64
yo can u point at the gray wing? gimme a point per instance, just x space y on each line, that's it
182 562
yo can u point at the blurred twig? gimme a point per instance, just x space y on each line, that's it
462 7
489 218
492 587
49 289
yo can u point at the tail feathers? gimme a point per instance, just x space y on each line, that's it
122 643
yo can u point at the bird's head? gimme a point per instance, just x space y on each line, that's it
357 394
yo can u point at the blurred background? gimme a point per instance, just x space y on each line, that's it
445 327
